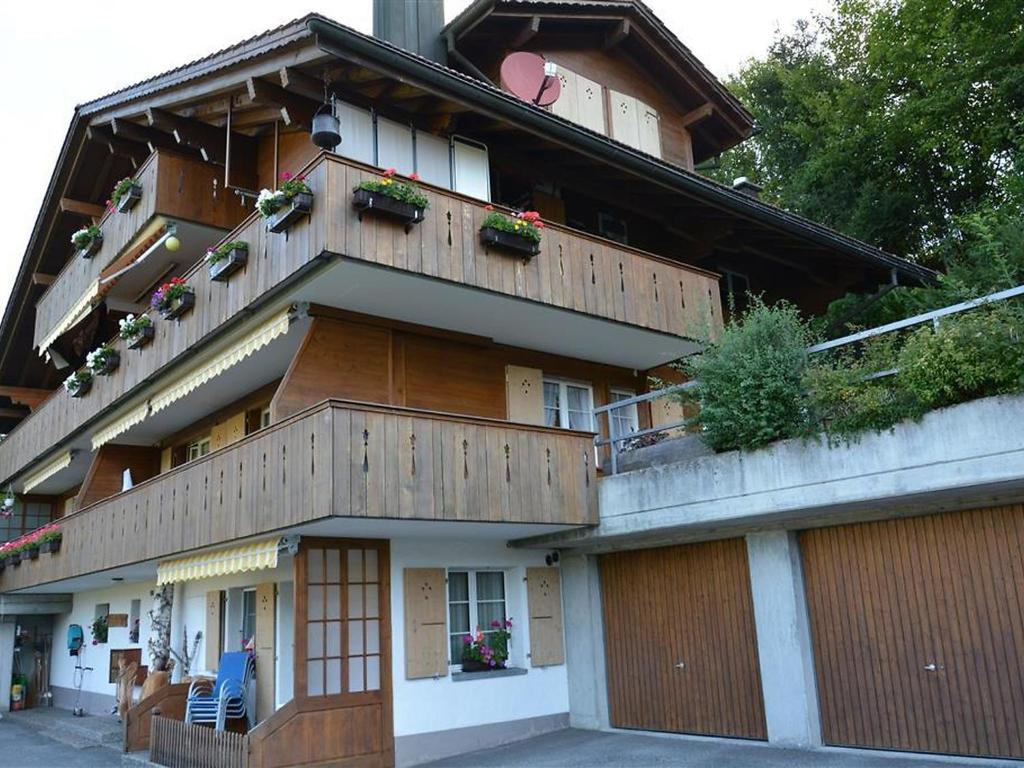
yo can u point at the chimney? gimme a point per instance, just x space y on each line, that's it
745 186
414 25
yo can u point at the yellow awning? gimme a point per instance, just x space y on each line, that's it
263 335
73 317
41 475
220 562
134 416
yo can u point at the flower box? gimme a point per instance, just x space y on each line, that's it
92 248
297 206
3 563
128 200
32 552
50 545
469 665
81 388
223 268
366 200
15 559
179 306
142 338
110 363
509 241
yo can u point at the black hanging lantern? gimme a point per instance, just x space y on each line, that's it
326 127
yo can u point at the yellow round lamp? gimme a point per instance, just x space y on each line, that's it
172 243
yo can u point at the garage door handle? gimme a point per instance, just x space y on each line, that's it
933 667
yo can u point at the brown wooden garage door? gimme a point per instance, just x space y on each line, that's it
680 640
919 631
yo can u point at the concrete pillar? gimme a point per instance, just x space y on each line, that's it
7 627
784 639
584 642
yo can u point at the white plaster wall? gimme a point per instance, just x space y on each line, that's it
83 612
423 706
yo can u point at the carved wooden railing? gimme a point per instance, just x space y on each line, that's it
167 701
336 458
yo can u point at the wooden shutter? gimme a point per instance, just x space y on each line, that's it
227 432
524 392
667 410
625 125
212 632
590 103
265 649
166 459
426 636
544 593
650 129
566 105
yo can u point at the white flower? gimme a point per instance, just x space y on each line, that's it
80 233
126 322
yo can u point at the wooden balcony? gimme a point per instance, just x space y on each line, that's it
336 459
174 187
587 276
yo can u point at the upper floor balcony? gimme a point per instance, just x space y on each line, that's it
581 296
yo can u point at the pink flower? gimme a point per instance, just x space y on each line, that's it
390 172
488 207
539 224
508 623
414 176
495 624
286 176
467 639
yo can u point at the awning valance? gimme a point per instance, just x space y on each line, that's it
221 562
44 473
73 317
135 416
251 342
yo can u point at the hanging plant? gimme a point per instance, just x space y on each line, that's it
87 240
7 503
99 630
103 361
226 259
127 192
520 232
287 204
78 383
136 331
391 197
174 298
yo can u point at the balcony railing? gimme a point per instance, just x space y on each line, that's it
340 459
573 271
177 187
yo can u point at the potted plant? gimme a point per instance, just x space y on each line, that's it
103 361
50 538
226 259
286 205
87 240
31 545
127 192
391 197
173 299
7 503
99 630
519 232
78 383
486 652
14 553
136 331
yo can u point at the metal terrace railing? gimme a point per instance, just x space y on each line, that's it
616 442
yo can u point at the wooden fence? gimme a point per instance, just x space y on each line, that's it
168 700
175 744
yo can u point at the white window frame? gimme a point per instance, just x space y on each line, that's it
563 399
630 411
474 616
246 591
198 448
265 417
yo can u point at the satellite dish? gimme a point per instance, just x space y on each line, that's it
531 78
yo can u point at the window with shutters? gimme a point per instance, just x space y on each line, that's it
568 404
476 599
198 448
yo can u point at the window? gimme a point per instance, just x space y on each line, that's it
735 290
568 405
612 227
197 448
625 420
265 417
471 169
475 599
248 616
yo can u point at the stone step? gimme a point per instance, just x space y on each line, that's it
87 730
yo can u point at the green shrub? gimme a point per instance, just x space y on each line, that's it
976 354
751 389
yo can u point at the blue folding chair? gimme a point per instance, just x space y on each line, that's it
227 696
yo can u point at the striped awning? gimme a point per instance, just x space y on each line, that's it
251 342
220 562
72 317
135 416
44 473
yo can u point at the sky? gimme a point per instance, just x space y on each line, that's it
60 53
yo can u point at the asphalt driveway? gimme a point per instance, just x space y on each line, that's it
595 749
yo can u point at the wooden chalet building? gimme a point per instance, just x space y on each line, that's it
329 451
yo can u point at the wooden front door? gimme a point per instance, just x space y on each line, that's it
918 631
680 640
341 713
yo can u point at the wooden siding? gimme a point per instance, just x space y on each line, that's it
687 605
888 599
173 186
106 474
573 271
336 458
